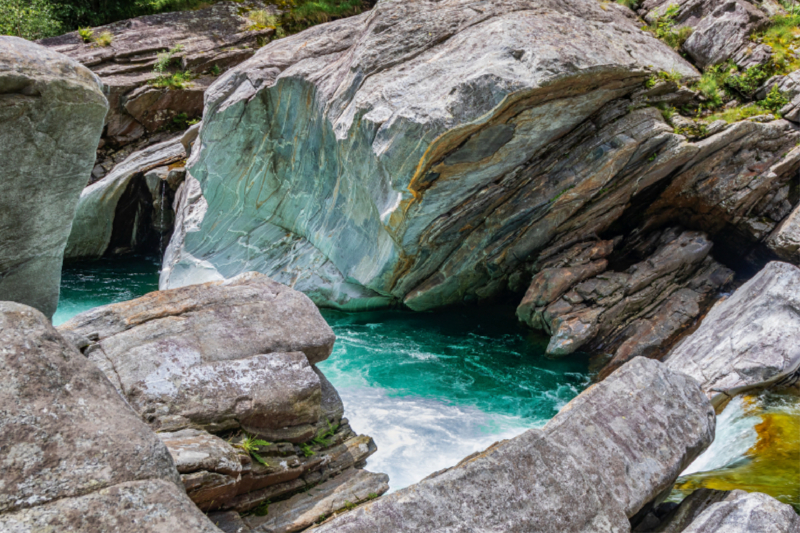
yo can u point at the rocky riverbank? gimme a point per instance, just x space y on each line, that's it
421 154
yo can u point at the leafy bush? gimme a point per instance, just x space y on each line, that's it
775 100
29 19
104 39
175 80
748 82
87 34
663 27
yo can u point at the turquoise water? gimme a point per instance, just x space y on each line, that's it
429 388
89 284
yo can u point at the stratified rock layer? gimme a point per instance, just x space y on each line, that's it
75 456
741 512
598 462
419 152
748 340
51 111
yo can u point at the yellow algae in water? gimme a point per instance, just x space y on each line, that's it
771 465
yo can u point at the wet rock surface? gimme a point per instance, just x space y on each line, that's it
51 111
748 340
599 450
76 456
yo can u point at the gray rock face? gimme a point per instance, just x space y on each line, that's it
217 356
581 305
431 132
727 29
748 340
51 111
109 213
590 468
743 512
151 506
220 35
785 239
75 456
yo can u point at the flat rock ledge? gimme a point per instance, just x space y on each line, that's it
749 340
225 373
603 458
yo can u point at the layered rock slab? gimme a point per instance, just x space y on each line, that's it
592 459
436 108
748 340
52 110
75 454
219 356
742 512
210 40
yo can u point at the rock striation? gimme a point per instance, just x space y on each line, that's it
51 111
225 373
748 340
609 452
441 144
76 457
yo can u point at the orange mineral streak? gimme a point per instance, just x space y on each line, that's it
772 465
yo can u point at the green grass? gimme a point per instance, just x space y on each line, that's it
175 81
301 14
630 4
104 39
780 37
663 27
775 100
250 446
736 114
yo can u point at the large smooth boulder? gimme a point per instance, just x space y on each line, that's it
610 451
748 340
52 111
421 151
218 356
75 456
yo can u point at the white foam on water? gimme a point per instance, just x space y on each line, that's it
418 436
735 435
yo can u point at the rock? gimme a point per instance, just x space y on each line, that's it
194 450
211 39
624 314
229 522
748 340
217 356
596 451
304 509
467 143
678 517
117 211
741 512
52 114
65 430
785 239
724 32
150 506
76 457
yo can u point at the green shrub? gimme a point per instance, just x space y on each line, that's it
748 82
175 81
86 34
104 39
663 27
775 100
630 4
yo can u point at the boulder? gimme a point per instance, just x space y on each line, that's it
440 145
52 112
785 238
76 457
748 340
223 355
117 211
742 512
724 32
607 453
210 40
